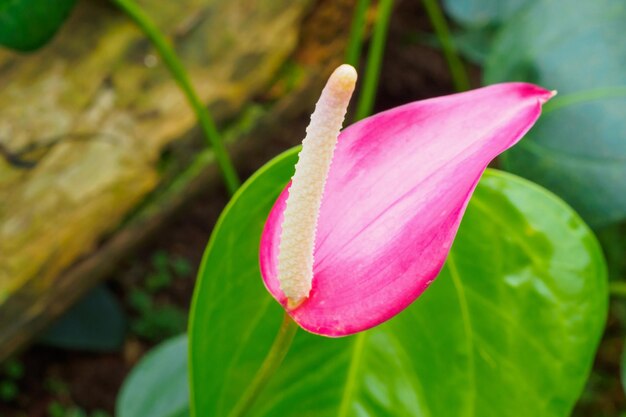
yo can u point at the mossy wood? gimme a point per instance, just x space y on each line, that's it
98 146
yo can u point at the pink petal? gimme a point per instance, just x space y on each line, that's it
397 189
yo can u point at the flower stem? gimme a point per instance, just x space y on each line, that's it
272 361
357 31
176 68
457 70
374 60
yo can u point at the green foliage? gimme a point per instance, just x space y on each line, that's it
26 25
10 374
56 387
474 44
369 86
509 328
13 369
56 409
165 269
157 321
480 13
96 323
460 78
8 391
158 385
181 267
577 149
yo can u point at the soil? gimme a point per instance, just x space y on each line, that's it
55 379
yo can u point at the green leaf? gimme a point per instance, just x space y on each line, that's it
158 386
578 148
480 13
474 44
233 319
509 328
96 323
26 25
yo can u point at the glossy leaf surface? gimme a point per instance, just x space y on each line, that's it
509 328
26 25
158 385
578 148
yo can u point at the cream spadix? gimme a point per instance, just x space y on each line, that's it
297 238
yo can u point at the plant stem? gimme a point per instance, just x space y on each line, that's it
176 68
374 60
457 70
357 31
272 361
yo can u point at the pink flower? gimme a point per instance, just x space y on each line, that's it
396 191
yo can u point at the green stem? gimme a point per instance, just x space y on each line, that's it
617 289
166 51
272 361
357 32
374 60
457 70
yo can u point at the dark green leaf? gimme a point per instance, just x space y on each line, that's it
578 148
509 328
96 323
480 13
474 44
157 386
26 25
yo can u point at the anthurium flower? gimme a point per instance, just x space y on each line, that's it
361 232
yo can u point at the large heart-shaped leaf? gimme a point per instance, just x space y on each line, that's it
509 328
26 25
158 385
578 147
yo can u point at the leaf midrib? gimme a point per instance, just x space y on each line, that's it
221 407
467 326
351 378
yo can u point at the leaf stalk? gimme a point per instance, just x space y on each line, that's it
176 68
270 365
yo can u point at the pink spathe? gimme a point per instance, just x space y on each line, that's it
398 186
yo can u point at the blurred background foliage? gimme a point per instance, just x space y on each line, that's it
577 150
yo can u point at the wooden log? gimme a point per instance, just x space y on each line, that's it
84 124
